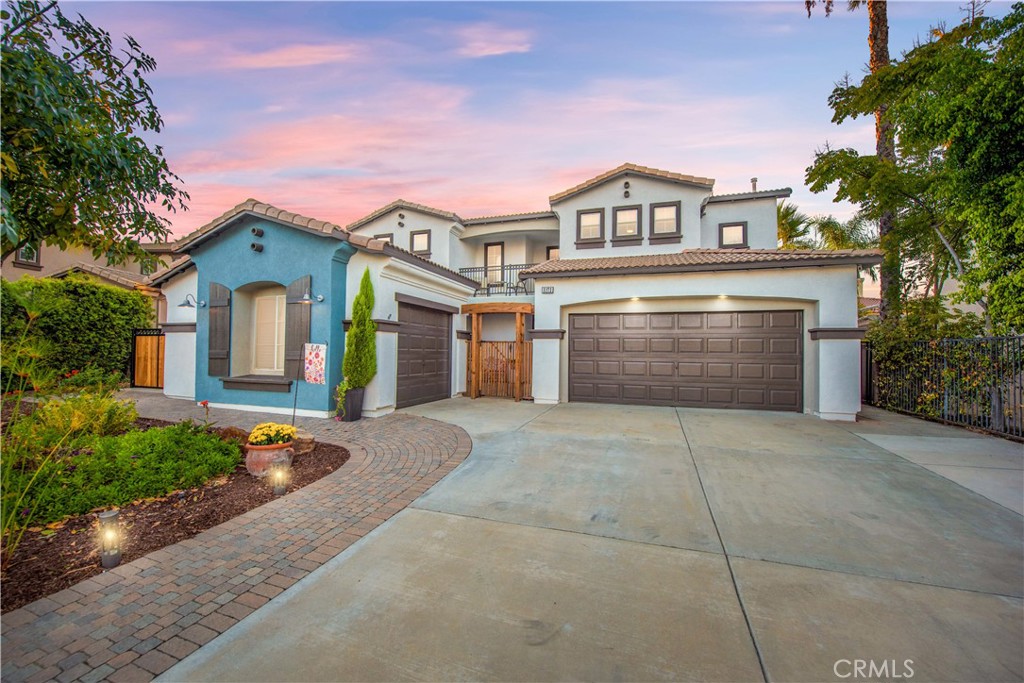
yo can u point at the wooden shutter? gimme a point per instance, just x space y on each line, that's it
296 326
220 331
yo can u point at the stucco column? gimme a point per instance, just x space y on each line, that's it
839 382
545 370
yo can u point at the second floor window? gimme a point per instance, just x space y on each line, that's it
419 242
28 255
590 226
626 223
665 219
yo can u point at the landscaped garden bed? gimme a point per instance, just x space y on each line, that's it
55 556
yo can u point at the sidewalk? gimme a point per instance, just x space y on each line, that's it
136 621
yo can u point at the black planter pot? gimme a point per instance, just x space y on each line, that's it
353 404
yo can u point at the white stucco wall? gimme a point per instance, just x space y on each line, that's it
441 233
180 347
642 191
827 297
391 277
759 214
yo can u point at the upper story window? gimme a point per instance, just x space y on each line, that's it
552 253
28 257
146 267
419 242
626 228
388 237
732 235
666 223
589 228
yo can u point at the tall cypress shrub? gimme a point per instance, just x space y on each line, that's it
360 364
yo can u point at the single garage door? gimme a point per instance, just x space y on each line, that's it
424 355
749 359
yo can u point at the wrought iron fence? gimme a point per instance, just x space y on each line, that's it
972 382
500 279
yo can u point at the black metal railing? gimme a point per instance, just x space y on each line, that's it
500 280
972 382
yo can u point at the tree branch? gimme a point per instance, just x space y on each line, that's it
11 30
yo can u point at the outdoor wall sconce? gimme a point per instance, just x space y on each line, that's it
256 246
280 477
110 539
308 298
190 302
257 232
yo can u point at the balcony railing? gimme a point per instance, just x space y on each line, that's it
503 280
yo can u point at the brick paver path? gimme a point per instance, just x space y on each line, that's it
136 621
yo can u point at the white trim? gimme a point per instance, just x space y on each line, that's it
379 412
301 412
838 417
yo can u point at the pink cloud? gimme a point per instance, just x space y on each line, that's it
490 40
290 56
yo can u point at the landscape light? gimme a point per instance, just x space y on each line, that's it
280 475
110 539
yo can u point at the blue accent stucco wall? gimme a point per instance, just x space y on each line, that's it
287 255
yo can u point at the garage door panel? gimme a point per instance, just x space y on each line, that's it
424 347
744 359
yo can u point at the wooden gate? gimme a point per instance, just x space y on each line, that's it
147 361
498 369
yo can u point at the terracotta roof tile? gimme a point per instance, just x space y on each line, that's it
700 259
258 208
164 274
402 204
497 218
635 170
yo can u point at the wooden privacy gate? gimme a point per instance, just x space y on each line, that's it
147 361
499 368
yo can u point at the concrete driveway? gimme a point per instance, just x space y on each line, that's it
638 543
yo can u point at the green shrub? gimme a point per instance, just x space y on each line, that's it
360 362
91 378
118 470
63 421
86 323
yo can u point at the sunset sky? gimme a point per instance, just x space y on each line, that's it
333 109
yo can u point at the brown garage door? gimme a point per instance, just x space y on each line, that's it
424 352
749 359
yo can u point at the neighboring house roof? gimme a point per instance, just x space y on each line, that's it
402 204
163 275
743 196
869 302
696 260
253 207
158 247
115 275
509 217
633 169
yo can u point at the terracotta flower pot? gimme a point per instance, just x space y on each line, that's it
258 459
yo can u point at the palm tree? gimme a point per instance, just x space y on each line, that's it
794 227
833 234
878 47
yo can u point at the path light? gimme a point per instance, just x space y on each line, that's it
280 476
110 539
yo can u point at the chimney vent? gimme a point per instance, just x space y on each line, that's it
753 184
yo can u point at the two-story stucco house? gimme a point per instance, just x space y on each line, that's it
639 286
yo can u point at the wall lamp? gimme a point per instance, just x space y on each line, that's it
110 539
190 302
308 298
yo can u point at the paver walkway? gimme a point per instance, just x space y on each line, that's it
136 621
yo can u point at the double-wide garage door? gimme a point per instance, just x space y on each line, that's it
748 359
424 353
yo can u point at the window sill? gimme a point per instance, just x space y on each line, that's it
27 265
593 244
422 254
627 241
733 246
665 238
273 383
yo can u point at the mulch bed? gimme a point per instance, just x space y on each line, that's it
53 559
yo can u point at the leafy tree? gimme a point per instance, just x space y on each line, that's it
360 363
834 234
794 228
878 49
74 167
955 102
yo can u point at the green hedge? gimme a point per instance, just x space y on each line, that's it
85 323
